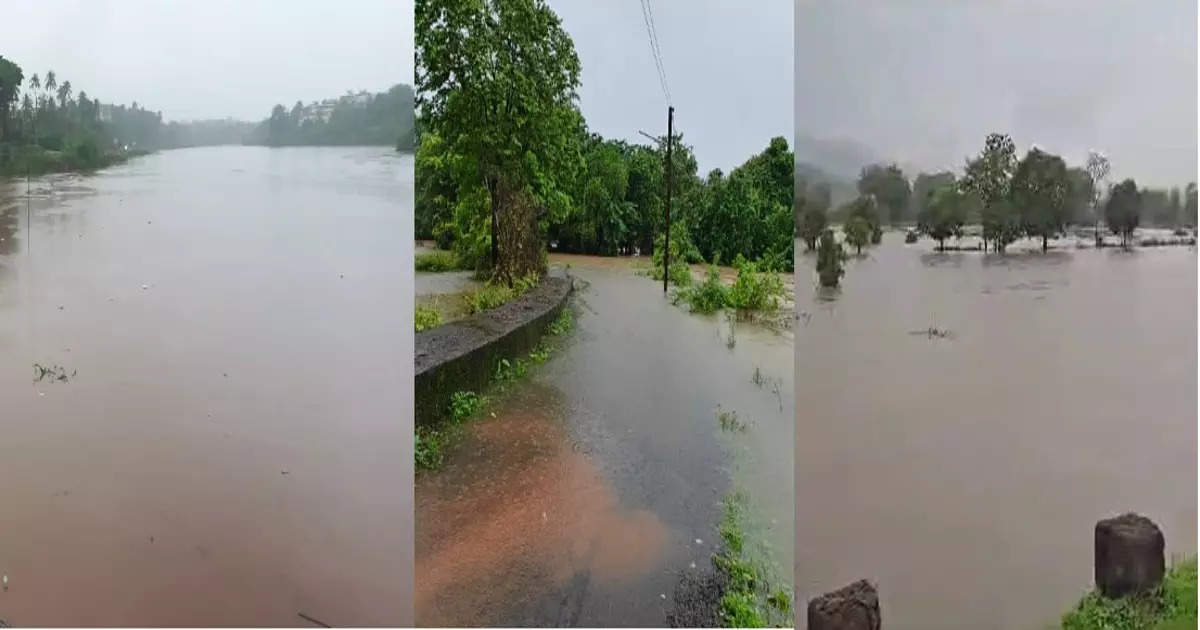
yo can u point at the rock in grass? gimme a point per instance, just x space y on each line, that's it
852 607
1129 555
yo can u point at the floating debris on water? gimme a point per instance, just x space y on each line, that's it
54 374
933 332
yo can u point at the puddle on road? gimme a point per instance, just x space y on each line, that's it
519 511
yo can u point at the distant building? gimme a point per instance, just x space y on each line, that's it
106 112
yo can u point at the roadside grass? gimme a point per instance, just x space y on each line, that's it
437 261
749 600
1171 606
427 316
430 444
494 294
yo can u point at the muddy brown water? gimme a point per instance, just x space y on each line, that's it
229 451
964 475
599 481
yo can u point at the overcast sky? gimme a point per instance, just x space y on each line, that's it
729 70
924 81
212 59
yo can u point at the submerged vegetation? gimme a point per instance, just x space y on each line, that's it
431 443
1171 606
749 600
754 289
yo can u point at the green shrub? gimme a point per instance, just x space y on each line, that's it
437 261
755 290
709 296
427 316
463 405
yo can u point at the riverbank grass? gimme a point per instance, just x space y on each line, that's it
1171 606
749 599
82 155
437 261
430 444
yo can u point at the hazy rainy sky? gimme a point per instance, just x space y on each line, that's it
729 70
212 59
923 82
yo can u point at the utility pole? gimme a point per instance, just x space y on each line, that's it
667 243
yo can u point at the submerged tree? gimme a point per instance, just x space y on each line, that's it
1040 190
829 259
1124 210
944 215
989 177
1097 169
812 223
866 208
858 233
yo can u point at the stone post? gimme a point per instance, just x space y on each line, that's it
1129 555
853 607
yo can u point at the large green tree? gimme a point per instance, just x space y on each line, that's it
10 88
1124 210
989 176
1040 190
497 80
943 216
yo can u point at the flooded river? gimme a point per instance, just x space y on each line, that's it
599 481
227 447
964 475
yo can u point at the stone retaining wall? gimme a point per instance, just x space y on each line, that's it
461 355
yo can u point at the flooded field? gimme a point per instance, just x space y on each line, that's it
226 448
598 482
964 473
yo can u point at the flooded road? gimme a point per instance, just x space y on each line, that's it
228 450
964 475
600 480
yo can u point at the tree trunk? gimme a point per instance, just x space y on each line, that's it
495 243
1043 243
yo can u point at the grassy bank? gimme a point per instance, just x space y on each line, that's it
487 297
749 599
19 161
431 443
33 160
1172 606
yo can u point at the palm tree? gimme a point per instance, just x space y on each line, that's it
35 84
64 93
49 84
27 114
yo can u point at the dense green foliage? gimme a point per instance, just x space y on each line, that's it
1172 606
359 118
944 213
1123 210
506 166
